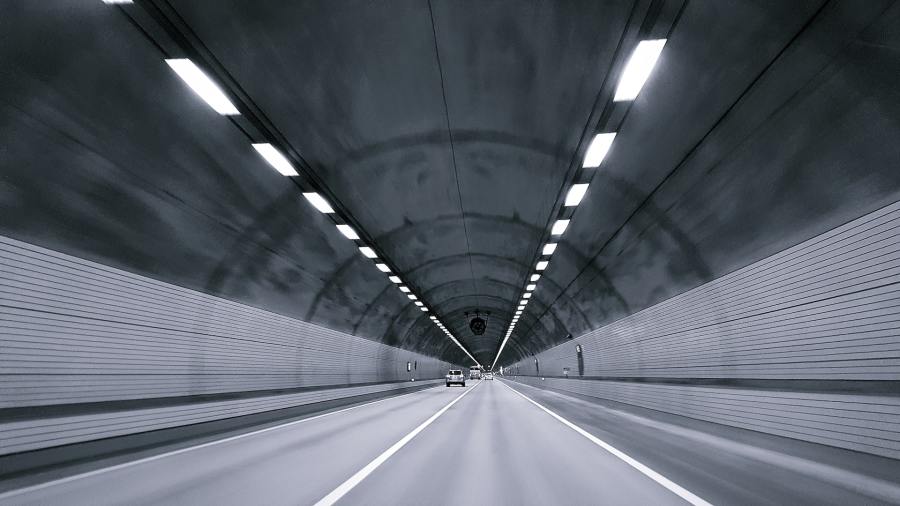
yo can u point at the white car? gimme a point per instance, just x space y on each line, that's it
488 375
455 376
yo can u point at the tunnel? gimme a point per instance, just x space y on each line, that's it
450 252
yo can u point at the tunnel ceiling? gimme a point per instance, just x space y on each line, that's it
448 130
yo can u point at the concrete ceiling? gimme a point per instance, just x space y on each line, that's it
448 130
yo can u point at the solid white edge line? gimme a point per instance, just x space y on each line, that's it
67 479
650 473
361 475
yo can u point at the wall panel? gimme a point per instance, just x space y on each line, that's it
20 436
812 323
74 333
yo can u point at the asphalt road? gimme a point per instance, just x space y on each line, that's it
483 444
520 456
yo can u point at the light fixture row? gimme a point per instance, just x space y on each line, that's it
637 70
211 93
322 205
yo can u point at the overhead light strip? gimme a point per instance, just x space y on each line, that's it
219 100
319 202
638 69
348 232
202 85
598 149
275 158
559 228
635 74
576 193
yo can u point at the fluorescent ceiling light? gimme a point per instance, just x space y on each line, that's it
434 318
348 232
202 85
530 288
638 69
520 308
404 289
527 295
419 304
424 309
411 296
518 312
395 279
383 267
576 193
111 2
319 202
549 248
367 252
535 277
275 158
559 227
598 149
541 265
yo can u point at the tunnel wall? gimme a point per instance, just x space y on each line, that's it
90 351
803 344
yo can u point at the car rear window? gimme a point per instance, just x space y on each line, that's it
455 372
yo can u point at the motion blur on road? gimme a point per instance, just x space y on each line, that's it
495 442
450 252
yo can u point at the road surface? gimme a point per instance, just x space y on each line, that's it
484 444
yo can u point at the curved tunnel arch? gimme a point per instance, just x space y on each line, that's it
374 309
511 271
503 309
438 138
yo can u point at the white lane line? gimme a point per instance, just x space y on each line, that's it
74 477
650 473
361 475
